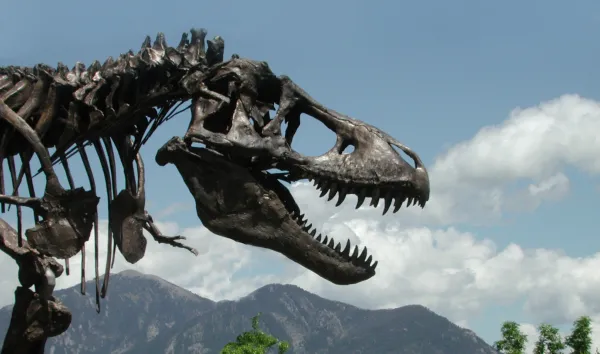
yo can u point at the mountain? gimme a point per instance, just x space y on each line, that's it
144 314
137 308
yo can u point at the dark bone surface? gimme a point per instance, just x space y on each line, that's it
224 159
37 315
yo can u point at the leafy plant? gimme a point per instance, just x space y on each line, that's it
580 339
255 342
513 340
549 340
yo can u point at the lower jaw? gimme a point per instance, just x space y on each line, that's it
339 263
338 277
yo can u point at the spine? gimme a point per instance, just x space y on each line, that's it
120 96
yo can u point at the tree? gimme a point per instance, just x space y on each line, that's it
549 340
255 342
513 340
580 339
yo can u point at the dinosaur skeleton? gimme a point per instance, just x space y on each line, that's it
117 106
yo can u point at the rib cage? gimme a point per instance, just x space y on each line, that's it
104 105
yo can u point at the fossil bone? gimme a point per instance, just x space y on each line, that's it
118 105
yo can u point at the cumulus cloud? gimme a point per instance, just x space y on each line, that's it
475 179
212 274
426 256
550 189
458 274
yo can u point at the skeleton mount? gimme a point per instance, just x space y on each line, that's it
223 158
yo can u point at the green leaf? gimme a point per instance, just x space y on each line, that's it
549 340
255 342
513 340
580 339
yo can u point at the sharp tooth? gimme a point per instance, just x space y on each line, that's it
319 238
374 265
315 182
346 251
307 227
368 261
343 192
355 253
375 197
324 186
398 203
338 247
415 201
363 255
331 243
323 192
313 232
325 240
332 191
361 197
310 178
388 201
409 201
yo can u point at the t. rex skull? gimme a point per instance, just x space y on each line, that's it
237 198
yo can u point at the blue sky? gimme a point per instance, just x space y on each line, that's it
431 73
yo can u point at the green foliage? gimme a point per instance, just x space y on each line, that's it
255 342
580 339
513 340
549 340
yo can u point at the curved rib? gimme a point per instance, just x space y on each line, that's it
109 190
67 169
88 171
113 176
13 177
52 183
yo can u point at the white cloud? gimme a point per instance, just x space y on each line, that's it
424 256
210 274
530 331
457 274
472 180
551 189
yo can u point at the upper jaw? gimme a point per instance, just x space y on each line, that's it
411 187
374 169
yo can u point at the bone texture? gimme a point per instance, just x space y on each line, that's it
234 138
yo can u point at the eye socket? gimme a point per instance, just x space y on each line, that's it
312 137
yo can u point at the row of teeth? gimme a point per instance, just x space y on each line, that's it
359 260
342 190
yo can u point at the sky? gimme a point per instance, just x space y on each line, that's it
500 99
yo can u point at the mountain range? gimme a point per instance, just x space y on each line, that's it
144 314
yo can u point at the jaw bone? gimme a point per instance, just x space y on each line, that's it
253 208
